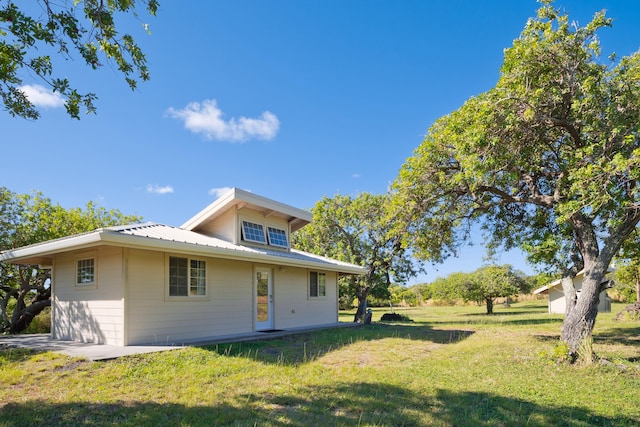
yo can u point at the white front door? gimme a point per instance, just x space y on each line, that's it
264 299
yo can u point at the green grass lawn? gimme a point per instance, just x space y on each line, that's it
451 366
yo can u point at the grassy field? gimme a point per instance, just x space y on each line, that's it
451 366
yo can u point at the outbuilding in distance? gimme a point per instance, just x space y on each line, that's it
558 301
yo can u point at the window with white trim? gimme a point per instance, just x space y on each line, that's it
252 232
317 285
187 277
277 237
86 272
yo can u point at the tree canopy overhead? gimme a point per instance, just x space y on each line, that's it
552 150
65 28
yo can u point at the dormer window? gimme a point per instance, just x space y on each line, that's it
252 232
264 234
277 237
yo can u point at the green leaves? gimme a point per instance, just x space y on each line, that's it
554 143
90 31
483 285
32 218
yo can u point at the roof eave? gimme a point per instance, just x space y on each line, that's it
41 253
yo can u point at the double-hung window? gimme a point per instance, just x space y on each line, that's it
317 284
187 277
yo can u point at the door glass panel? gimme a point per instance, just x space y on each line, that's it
262 296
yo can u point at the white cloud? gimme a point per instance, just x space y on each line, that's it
219 192
40 96
356 176
207 119
156 189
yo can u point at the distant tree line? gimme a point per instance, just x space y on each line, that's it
483 286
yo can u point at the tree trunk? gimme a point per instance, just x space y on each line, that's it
489 302
362 295
637 285
18 309
570 294
27 315
23 314
5 323
578 324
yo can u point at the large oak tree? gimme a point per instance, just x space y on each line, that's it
558 136
359 230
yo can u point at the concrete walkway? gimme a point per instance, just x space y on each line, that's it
44 342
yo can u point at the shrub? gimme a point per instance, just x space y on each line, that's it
41 324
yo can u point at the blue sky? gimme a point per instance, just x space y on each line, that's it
290 99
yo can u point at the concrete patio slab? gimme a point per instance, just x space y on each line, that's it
94 352
44 342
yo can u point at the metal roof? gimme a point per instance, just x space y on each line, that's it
155 236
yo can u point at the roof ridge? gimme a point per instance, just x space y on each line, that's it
135 226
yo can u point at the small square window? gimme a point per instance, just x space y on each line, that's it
253 232
277 237
86 272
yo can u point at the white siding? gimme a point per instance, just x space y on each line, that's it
229 308
155 318
556 301
293 308
223 227
89 314
131 289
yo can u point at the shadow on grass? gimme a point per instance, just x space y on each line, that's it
508 312
626 336
363 403
547 337
304 347
502 318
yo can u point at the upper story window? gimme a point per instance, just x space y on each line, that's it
86 272
277 237
252 232
187 277
265 234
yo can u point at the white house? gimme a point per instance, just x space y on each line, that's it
558 302
227 271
